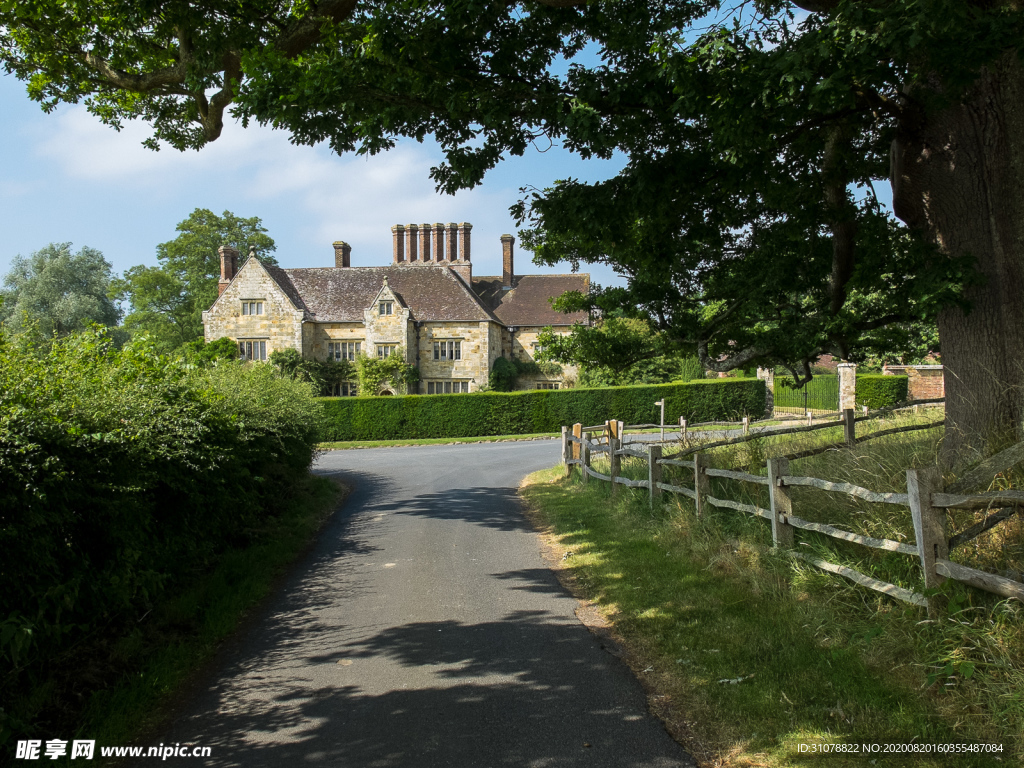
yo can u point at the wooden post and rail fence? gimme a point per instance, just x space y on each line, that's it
928 504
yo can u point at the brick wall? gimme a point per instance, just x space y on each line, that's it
924 382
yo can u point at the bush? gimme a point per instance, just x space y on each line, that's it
503 376
877 391
121 472
514 413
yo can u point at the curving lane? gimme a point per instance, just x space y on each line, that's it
424 629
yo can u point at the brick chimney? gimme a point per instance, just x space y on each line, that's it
342 254
412 232
425 243
453 244
507 241
464 229
398 240
228 267
438 241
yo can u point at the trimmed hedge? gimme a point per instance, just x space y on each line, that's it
518 413
876 390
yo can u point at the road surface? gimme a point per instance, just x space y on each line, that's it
424 629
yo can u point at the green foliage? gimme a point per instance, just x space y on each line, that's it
503 375
57 291
375 373
322 374
198 352
614 343
122 471
878 391
168 301
662 369
533 411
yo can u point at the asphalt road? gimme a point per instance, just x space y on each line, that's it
424 629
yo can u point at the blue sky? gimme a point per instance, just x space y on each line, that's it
67 178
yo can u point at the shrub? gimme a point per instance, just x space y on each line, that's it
877 391
503 376
511 413
122 471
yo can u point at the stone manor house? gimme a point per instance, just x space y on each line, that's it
426 304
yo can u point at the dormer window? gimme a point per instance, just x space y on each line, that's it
386 308
252 307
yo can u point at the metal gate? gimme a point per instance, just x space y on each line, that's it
819 396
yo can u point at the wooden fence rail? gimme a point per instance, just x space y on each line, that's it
928 504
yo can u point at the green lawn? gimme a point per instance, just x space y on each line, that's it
346 445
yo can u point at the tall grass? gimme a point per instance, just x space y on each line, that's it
968 664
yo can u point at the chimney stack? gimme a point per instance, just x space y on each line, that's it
464 229
228 267
342 254
507 241
453 245
411 242
438 242
425 243
398 238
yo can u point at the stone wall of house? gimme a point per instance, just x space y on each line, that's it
475 342
395 328
524 347
321 334
280 325
924 382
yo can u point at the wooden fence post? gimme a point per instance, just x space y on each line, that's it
654 473
782 504
586 459
929 527
577 432
566 454
746 425
682 429
701 483
849 428
614 441
810 418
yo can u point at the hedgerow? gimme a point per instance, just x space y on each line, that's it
515 413
121 471
880 391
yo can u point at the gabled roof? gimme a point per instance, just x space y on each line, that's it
341 294
527 302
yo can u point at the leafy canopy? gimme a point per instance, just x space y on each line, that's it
58 291
168 301
744 217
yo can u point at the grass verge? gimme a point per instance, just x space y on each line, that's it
346 445
140 673
751 658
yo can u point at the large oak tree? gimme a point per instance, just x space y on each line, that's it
747 132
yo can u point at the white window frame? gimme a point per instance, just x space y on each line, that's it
253 349
448 387
386 308
390 347
342 350
548 385
252 307
344 389
448 350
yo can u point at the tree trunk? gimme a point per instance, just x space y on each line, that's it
958 176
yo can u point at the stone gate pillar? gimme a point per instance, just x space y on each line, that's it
768 375
847 387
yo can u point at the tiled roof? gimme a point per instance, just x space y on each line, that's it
282 278
339 295
528 301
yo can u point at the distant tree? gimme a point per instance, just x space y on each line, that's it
59 291
168 301
160 306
